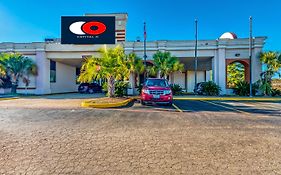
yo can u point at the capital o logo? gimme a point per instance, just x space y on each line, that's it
87 28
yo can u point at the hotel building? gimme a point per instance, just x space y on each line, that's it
59 65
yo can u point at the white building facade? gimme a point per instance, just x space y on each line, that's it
58 65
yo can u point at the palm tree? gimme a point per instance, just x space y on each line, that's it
165 63
272 61
111 65
3 57
135 66
17 66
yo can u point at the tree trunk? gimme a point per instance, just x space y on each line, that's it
111 87
15 82
14 88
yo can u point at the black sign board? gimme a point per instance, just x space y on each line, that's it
88 30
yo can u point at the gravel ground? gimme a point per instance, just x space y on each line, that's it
56 136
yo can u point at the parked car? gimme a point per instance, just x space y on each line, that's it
199 88
156 90
89 88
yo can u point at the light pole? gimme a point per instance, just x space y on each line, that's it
196 49
250 52
144 49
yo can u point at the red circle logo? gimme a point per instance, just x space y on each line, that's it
99 28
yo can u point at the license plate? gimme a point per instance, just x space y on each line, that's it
156 96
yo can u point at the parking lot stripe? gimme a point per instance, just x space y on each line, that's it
177 108
226 107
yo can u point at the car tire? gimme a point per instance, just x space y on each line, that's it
142 102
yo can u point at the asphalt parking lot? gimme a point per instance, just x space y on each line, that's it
191 106
246 107
54 135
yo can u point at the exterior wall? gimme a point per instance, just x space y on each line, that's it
65 79
191 79
43 77
179 78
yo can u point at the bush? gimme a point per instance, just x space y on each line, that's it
210 88
276 92
120 88
176 89
242 88
139 88
104 87
5 82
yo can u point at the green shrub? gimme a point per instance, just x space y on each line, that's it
276 92
5 82
210 88
104 87
120 88
176 89
139 88
242 88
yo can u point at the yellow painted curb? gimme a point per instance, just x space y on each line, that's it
92 104
10 98
227 99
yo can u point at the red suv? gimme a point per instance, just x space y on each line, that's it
156 90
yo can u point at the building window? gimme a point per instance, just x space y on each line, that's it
77 74
53 69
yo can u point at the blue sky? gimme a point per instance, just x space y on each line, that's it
33 20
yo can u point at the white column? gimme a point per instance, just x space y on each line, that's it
43 77
256 65
132 86
219 69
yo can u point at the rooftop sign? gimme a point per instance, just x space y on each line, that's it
88 30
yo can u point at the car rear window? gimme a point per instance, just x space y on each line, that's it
157 82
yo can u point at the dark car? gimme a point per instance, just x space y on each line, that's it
89 88
199 88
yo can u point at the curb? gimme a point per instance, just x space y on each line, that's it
9 98
227 99
92 104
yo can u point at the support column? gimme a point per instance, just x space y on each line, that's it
43 77
185 80
219 69
256 65
132 84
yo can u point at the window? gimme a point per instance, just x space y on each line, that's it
77 74
53 69
157 82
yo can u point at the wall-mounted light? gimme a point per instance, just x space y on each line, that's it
237 54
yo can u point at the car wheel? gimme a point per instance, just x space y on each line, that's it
142 102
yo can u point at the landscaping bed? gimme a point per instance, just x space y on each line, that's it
107 102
